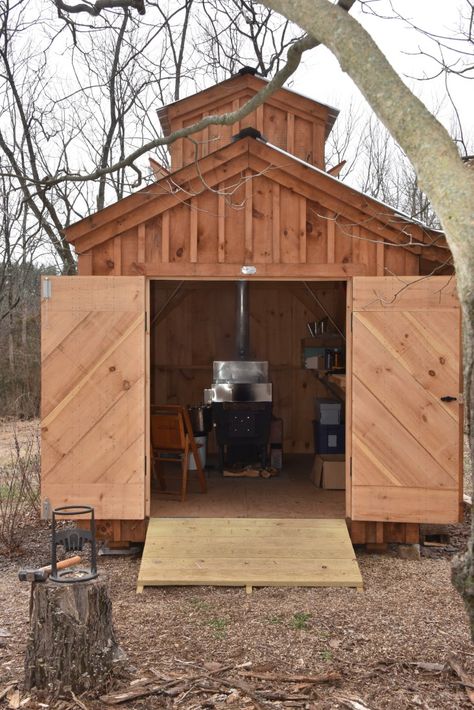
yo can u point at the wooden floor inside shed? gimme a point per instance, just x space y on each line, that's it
250 552
291 494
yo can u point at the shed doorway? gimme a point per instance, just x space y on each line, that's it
299 328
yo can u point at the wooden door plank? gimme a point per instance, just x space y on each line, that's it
418 410
407 293
377 437
93 395
415 504
429 355
406 453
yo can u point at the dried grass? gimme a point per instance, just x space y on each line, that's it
19 487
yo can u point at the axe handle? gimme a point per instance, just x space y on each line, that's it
70 562
29 575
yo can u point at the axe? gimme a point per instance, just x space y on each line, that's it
41 574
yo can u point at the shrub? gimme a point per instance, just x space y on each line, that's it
19 488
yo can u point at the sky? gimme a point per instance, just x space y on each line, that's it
321 77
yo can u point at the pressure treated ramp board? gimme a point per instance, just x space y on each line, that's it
249 552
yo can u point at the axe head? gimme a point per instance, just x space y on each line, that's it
32 575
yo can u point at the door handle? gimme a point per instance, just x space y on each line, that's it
448 398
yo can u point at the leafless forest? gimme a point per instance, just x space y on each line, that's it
80 93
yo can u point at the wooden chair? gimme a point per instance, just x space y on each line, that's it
172 439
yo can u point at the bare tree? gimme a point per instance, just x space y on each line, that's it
253 36
20 245
375 164
80 95
29 124
449 56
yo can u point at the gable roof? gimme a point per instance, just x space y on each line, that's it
206 99
282 167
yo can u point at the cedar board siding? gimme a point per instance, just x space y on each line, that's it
261 222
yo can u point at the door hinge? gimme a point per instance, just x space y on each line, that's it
146 322
461 398
46 288
350 467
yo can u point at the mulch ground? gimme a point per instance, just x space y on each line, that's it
389 647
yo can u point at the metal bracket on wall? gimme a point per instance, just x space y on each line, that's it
46 288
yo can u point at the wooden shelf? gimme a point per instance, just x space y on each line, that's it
337 379
326 339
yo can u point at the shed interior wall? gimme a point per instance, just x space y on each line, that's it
198 326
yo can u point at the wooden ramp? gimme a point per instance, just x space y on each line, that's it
248 552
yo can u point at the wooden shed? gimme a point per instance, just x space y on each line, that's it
153 306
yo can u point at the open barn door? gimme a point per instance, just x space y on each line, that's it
406 405
93 383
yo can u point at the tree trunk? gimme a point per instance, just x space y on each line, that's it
462 572
72 644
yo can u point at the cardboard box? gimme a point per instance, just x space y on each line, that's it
329 471
328 411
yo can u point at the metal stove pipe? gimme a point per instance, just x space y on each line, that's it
242 320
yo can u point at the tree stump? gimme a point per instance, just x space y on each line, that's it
72 643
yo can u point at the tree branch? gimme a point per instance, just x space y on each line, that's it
96 8
425 141
295 52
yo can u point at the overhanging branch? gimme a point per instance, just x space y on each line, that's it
295 52
96 8
425 141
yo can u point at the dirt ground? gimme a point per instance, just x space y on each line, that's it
390 647
379 641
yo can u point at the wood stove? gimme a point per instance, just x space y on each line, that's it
241 398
